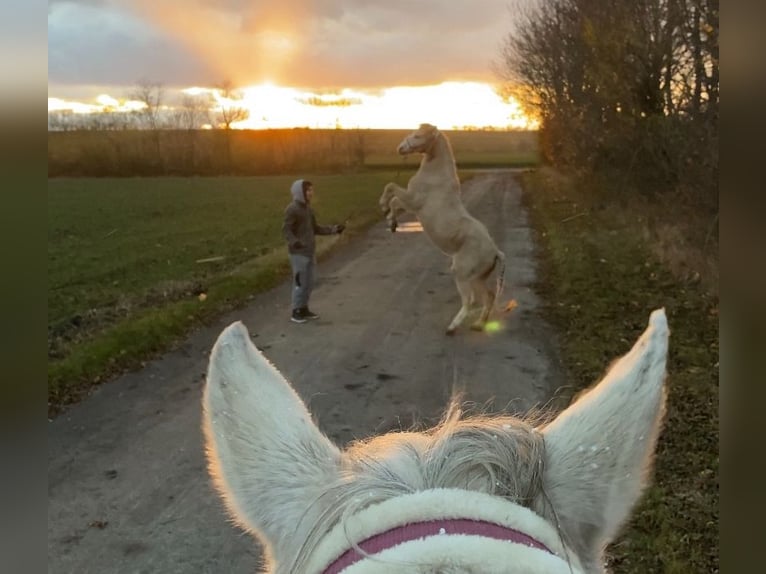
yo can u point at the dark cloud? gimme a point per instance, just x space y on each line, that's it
105 47
319 43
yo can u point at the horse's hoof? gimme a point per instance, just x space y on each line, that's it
477 327
449 332
393 227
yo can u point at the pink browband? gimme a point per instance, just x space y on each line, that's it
390 538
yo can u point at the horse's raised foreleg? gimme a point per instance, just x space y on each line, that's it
395 209
391 205
407 198
466 295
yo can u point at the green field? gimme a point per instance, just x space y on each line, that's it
128 259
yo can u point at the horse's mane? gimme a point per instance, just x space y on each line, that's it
497 455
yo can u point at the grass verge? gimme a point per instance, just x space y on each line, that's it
135 264
601 278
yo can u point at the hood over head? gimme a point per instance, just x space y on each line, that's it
296 190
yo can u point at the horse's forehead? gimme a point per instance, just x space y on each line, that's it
425 129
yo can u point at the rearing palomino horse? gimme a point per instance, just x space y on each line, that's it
489 495
433 195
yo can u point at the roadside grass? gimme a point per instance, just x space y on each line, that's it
134 264
600 277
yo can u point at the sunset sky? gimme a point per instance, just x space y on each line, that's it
394 63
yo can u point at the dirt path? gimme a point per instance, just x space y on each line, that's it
127 486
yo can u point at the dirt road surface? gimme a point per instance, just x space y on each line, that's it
127 485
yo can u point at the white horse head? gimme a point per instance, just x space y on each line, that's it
490 495
419 141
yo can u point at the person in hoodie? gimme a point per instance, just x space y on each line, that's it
299 229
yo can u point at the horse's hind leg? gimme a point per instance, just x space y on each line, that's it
487 297
465 290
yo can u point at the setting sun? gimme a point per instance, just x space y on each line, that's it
273 65
451 105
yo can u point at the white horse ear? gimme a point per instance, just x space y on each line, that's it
267 457
599 451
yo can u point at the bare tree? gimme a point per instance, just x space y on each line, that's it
230 105
151 94
61 120
622 86
192 112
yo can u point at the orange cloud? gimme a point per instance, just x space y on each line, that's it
245 47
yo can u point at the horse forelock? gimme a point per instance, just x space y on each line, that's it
496 455
428 133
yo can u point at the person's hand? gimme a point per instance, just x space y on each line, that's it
297 244
339 228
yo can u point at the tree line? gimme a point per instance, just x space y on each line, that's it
155 112
628 88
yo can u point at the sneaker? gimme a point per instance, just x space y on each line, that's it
298 316
308 314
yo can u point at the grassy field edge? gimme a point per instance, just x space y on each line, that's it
130 342
600 280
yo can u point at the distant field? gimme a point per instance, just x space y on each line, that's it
266 152
134 262
471 148
126 258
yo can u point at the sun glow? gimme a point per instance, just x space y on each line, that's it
449 105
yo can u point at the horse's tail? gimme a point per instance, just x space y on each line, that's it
500 257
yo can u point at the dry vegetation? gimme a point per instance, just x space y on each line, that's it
130 153
606 265
628 97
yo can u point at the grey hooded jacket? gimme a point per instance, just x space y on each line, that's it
300 225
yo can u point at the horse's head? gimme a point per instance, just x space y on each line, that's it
419 141
476 495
